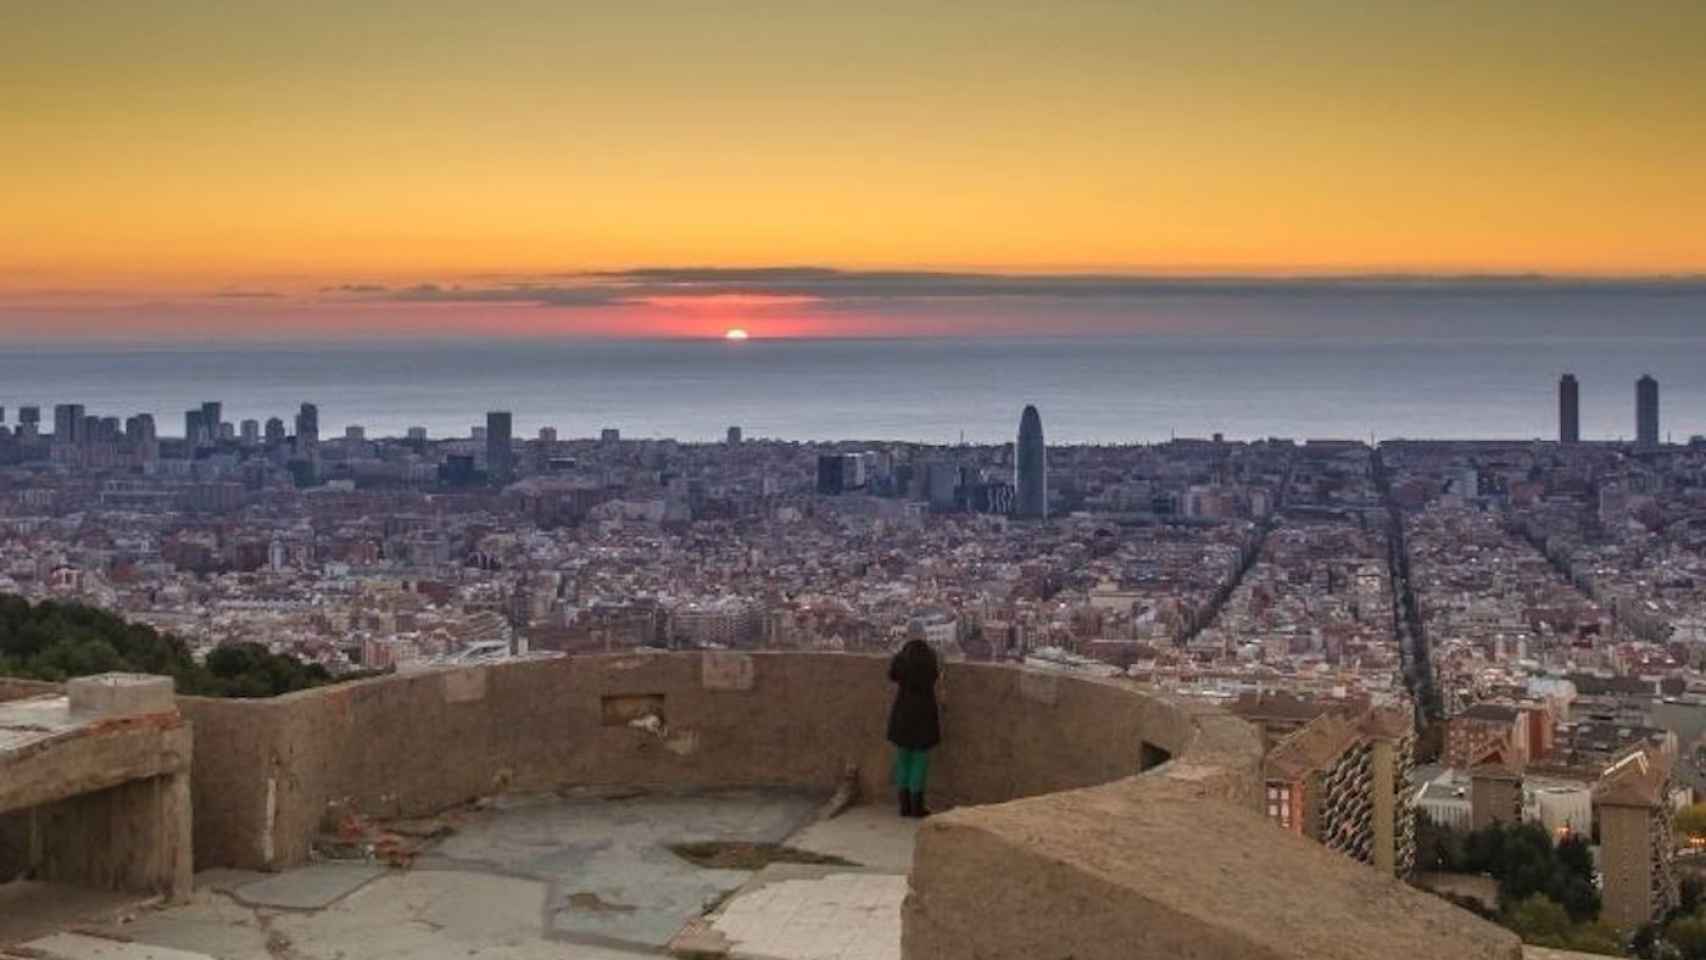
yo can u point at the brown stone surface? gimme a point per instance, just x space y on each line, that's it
102 802
93 757
12 688
1625 844
1152 867
401 746
1091 860
120 694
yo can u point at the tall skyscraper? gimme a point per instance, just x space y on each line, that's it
140 428
67 422
251 432
308 428
1030 468
1647 411
1569 410
830 475
500 465
275 431
212 416
195 428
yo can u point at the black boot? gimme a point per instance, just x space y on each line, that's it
916 805
905 803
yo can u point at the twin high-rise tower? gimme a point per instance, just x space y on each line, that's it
1646 411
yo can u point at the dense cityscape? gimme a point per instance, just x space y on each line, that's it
852 481
1416 626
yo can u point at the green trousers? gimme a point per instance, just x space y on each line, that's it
911 768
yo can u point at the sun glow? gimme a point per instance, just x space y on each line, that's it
735 334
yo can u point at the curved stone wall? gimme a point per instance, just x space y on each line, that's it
416 743
1176 861
1091 819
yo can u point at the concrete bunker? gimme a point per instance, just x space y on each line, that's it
94 792
1084 817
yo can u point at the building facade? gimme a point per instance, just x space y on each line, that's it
1636 843
1647 411
1569 410
1030 469
500 455
1344 781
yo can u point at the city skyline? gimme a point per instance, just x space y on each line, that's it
474 478
205 427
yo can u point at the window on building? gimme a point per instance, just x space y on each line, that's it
1279 805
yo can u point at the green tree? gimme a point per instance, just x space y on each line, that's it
1538 921
1576 856
1688 935
56 641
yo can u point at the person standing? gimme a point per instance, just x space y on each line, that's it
915 725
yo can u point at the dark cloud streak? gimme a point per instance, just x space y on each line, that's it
835 287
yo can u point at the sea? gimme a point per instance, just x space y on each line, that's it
1138 388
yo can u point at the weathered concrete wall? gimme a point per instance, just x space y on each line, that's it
1061 847
1162 866
1175 862
416 743
237 744
1625 844
14 689
105 804
135 836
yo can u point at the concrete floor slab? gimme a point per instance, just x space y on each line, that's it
77 946
871 836
428 914
840 916
791 911
314 887
609 874
30 909
211 923
537 878
225 880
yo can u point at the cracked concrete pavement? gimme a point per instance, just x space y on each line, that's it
531 877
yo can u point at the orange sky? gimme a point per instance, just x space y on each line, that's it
160 153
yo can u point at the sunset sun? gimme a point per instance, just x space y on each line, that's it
735 333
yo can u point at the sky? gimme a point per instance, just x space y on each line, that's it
265 169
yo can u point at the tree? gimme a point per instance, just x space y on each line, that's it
1690 892
1439 849
1576 856
1688 935
55 642
1538 920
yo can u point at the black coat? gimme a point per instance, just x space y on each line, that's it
914 723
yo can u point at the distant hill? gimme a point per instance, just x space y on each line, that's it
57 641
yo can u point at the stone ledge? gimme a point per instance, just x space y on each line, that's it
91 758
1138 869
121 694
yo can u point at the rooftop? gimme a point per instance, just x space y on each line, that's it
602 875
540 809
